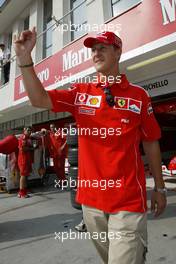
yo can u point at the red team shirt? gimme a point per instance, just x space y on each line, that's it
56 142
110 163
25 157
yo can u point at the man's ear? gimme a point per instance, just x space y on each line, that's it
118 51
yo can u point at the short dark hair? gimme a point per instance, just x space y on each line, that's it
28 127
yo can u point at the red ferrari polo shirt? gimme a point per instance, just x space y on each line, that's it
25 157
111 172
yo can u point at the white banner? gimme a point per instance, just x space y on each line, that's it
160 85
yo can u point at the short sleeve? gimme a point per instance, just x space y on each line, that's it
63 100
149 126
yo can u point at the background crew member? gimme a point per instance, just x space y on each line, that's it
4 62
58 152
25 160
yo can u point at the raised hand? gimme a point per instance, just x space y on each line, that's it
24 43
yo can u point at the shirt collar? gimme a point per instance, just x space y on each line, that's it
124 84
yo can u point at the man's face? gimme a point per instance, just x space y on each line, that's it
52 128
105 57
27 131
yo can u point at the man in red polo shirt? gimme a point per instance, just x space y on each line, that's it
57 152
25 160
113 117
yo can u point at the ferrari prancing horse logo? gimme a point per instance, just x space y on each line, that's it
121 102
